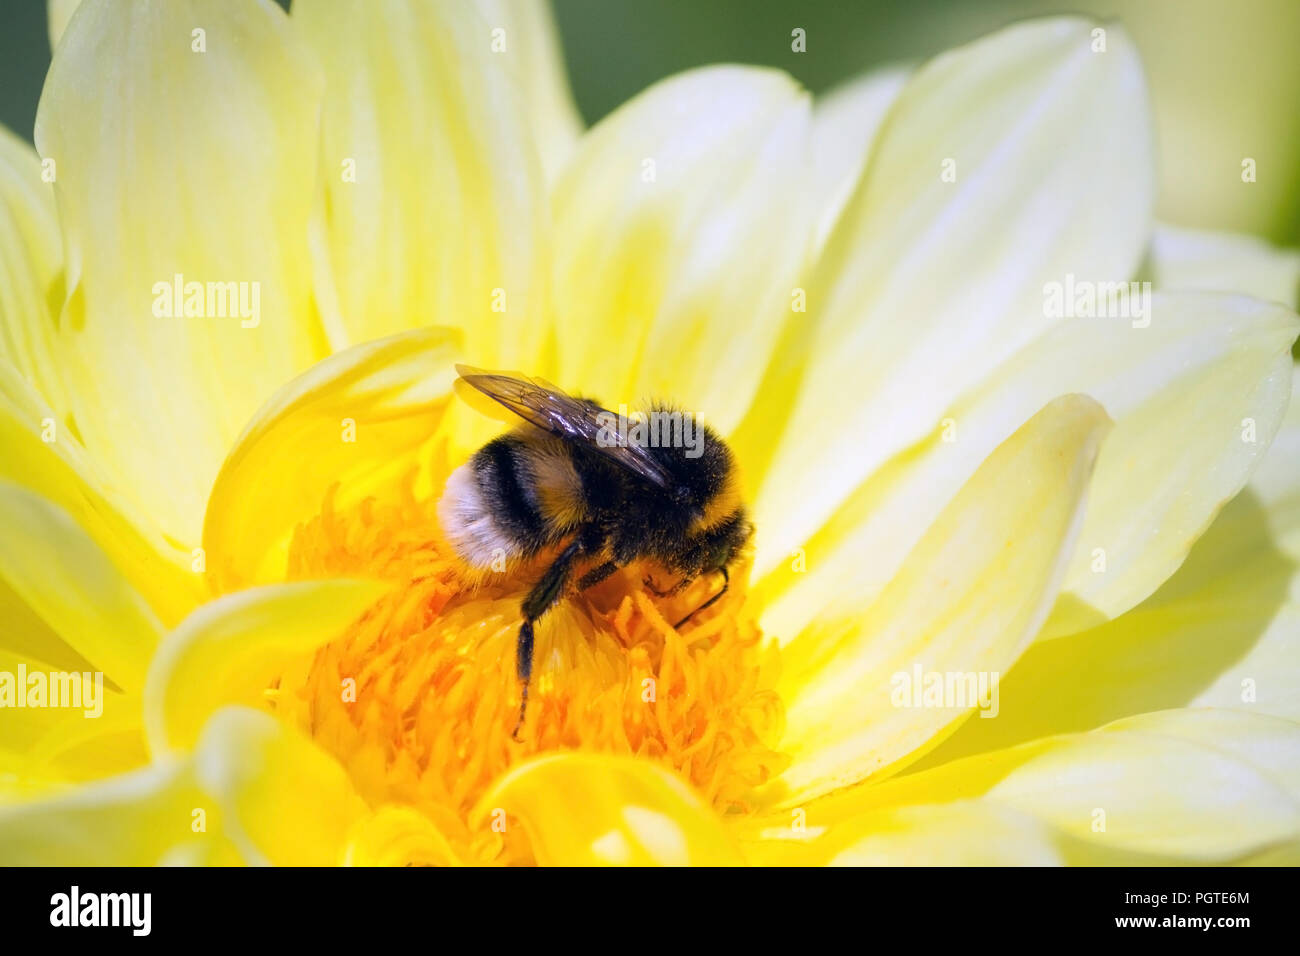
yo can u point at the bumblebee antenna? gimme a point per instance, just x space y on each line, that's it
726 583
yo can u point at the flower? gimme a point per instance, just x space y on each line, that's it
229 510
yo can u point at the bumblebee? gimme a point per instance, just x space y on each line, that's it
571 477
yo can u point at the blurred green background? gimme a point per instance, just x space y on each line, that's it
1224 75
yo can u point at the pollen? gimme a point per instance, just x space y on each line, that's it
418 697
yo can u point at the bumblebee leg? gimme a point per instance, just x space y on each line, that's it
538 601
677 588
524 669
597 574
726 583
649 584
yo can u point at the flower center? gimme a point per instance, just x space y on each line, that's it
418 698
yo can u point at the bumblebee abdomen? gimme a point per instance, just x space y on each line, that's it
517 495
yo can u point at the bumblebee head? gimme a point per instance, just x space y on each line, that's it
702 469
693 456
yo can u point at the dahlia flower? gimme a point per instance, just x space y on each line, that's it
237 272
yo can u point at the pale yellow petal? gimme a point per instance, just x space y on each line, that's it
1224 262
434 197
1181 450
184 136
846 121
1180 785
231 650
995 174
74 588
31 271
1236 649
132 820
967 600
530 44
1224 631
1282 854
1277 480
359 412
594 810
283 800
962 833
1201 784
682 226
58 13
43 455
1179 390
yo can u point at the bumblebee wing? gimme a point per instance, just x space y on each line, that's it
542 404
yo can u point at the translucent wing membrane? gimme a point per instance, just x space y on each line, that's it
575 419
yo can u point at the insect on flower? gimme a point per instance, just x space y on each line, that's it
563 477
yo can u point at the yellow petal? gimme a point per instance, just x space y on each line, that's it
132 820
1179 451
398 836
1178 389
1230 648
962 833
1224 262
926 285
434 198
71 585
94 735
58 13
21 727
1224 631
530 44
1180 785
253 791
358 412
29 635
845 123
41 454
1277 480
633 813
966 601
283 800
682 225
184 136
231 650
1201 784
80 749
1283 854
31 266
